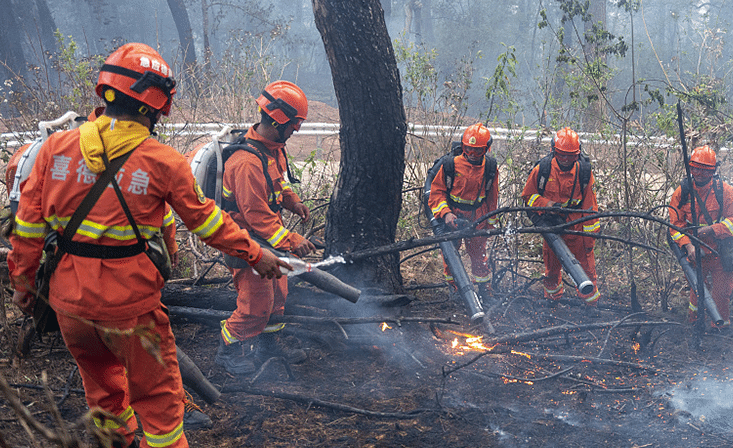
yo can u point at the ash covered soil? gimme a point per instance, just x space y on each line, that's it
389 384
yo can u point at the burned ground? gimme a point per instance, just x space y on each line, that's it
594 377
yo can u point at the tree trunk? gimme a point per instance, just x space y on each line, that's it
47 26
366 202
185 35
595 112
205 30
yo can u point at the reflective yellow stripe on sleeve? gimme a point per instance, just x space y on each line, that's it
676 235
164 440
593 227
532 200
30 229
728 224
278 236
211 225
439 207
226 193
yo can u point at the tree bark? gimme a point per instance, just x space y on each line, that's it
366 202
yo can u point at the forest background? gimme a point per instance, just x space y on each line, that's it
613 70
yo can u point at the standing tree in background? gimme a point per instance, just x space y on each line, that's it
185 35
366 202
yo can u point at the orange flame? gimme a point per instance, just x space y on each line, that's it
636 347
385 327
468 342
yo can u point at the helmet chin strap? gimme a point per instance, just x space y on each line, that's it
150 114
280 131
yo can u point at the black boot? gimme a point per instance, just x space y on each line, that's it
485 294
193 416
272 345
236 358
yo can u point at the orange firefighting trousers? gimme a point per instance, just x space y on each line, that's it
582 248
123 378
257 299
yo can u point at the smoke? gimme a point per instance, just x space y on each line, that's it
708 398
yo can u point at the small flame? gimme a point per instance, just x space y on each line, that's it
468 342
636 347
526 355
385 327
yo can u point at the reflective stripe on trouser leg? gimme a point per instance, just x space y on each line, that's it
591 298
164 440
103 376
124 417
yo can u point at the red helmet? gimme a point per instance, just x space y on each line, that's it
566 141
284 102
703 158
476 140
139 72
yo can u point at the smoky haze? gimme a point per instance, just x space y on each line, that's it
474 43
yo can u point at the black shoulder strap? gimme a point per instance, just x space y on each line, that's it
449 171
545 165
585 170
94 193
489 171
258 149
684 192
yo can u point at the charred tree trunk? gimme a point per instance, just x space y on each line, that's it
366 202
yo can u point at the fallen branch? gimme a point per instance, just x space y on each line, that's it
593 360
216 316
563 329
310 401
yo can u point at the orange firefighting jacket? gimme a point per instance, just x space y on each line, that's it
468 190
681 216
169 228
244 183
110 289
558 189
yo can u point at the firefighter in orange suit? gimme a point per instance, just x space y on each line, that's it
255 198
564 189
469 198
107 306
718 199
